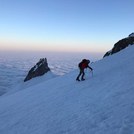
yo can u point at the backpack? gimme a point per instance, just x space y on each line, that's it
83 61
80 64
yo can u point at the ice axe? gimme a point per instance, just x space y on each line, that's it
91 72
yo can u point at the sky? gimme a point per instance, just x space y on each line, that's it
64 25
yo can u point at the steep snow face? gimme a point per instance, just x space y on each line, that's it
102 104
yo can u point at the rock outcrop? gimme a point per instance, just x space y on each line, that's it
121 44
39 69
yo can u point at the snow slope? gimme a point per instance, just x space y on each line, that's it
102 104
34 81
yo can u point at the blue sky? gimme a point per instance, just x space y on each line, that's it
64 25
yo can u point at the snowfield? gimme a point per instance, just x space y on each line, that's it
102 104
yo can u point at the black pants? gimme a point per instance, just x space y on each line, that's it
82 74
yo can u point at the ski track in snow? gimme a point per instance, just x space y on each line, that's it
102 104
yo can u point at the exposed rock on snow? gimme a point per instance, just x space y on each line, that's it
121 44
39 69
131 35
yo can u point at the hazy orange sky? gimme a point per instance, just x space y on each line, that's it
68 46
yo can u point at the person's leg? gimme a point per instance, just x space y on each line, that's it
83 74
79 75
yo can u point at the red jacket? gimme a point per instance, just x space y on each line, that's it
84 65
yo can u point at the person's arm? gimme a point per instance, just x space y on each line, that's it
90 68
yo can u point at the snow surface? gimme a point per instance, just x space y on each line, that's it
102 104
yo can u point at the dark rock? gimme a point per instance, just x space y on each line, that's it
121 44
131 35
39 69
107 53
